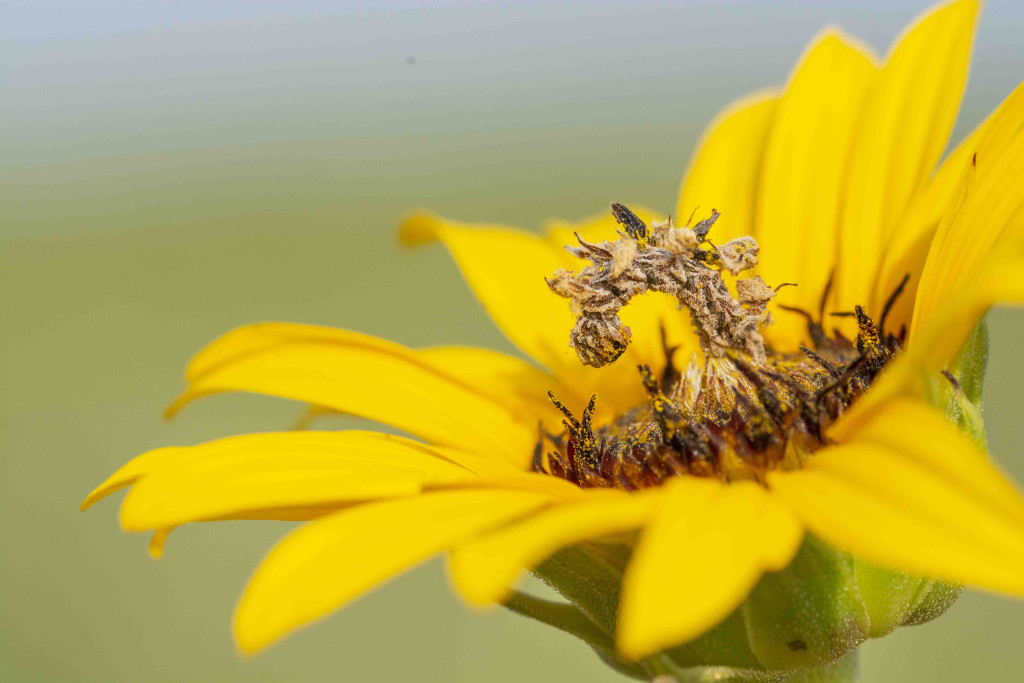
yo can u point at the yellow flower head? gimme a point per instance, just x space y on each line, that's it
765 422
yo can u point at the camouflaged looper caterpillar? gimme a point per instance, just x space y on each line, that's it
741 410
671 260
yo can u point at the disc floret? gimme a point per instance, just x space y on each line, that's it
742 409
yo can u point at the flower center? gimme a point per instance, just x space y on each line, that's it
741 410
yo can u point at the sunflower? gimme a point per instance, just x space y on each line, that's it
802 465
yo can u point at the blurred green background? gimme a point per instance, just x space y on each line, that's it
172 170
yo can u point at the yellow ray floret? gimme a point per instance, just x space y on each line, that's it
323 565
800 194
485 568
288 469
725 169
362 375
243 474
904 130
506 268
982 235
920 499
706 547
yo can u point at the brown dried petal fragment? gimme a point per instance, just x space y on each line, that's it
677 240
622 256
739 254
754 292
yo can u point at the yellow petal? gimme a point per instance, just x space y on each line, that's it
311 414
906 490
360 375
534 482
988 224
481 464
697 560
278 470
916 432
131 472
157 543
511 382
939 339
168 458
866 500
485 568
801 191
904 130
975 259
934 345
289 513
324 564
725 170
910 244
506 268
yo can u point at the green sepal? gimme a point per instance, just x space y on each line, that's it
726 645
888 596
809 614
590 576
589 579
806 616
568 618
894 599
969 366
961 399
939 598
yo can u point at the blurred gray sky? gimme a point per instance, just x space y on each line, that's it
100 78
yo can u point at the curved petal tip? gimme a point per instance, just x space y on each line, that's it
419 228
